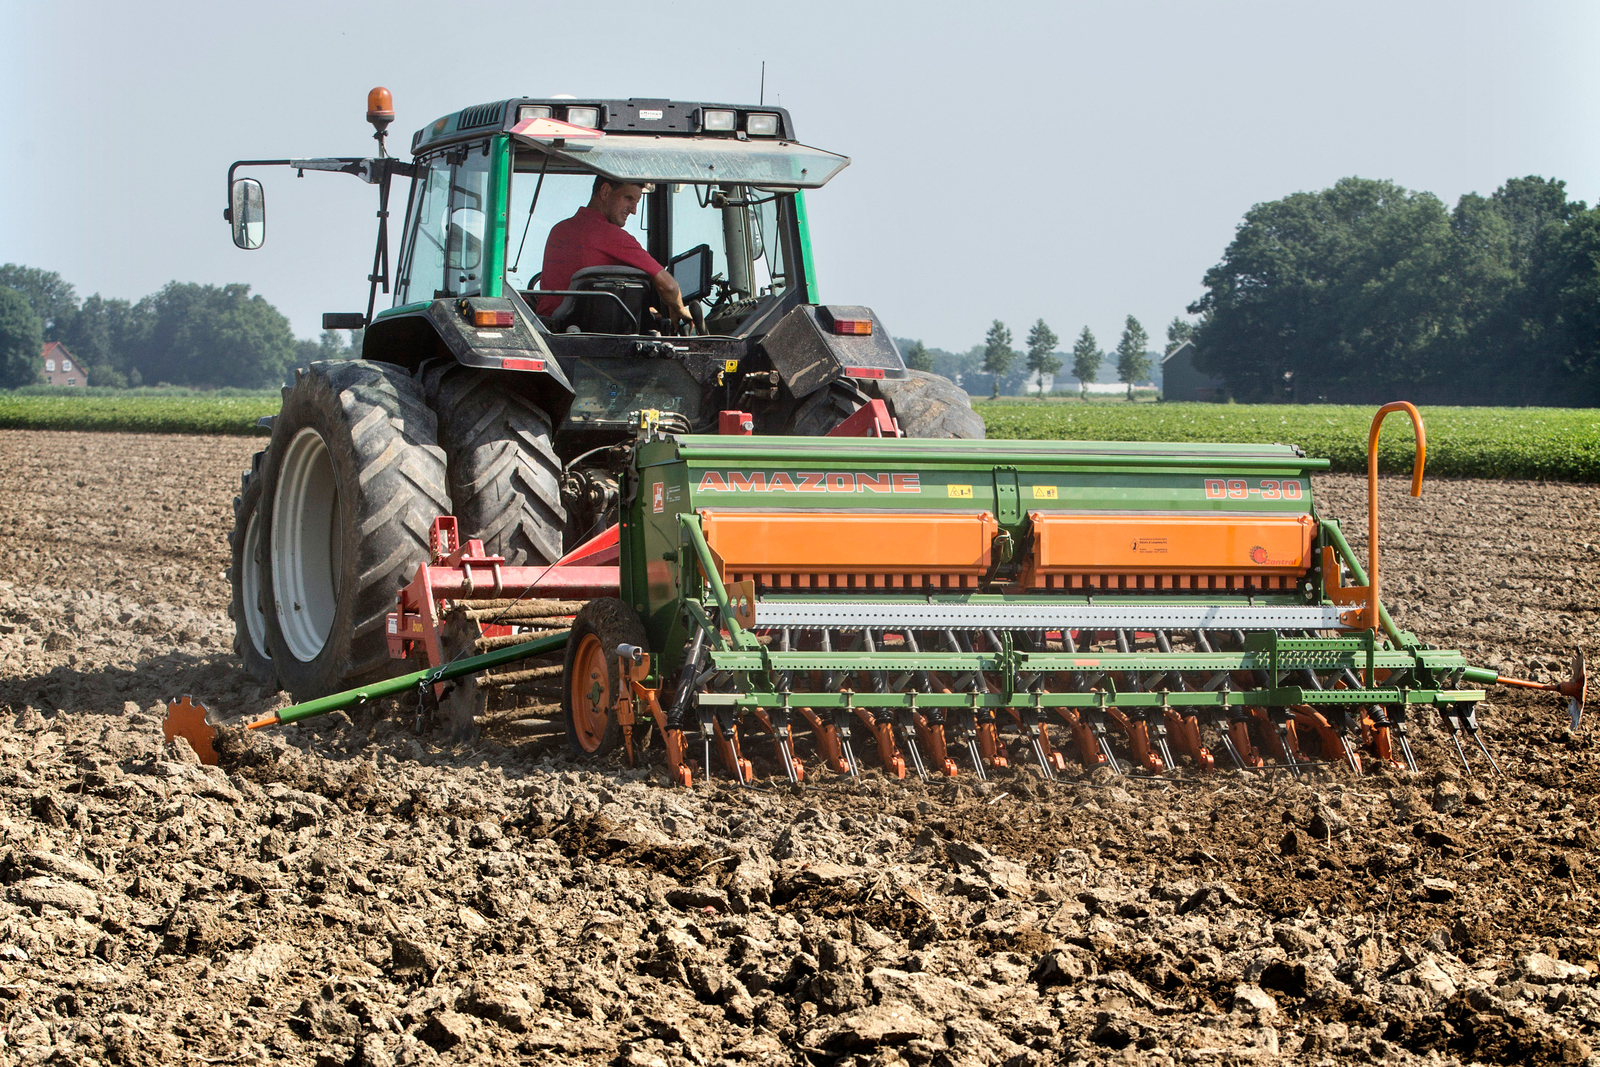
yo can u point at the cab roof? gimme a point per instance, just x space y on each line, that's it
645 116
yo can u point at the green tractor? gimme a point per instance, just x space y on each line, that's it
513 406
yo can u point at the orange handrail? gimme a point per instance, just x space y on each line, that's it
1369 617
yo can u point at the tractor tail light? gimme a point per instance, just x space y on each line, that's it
491 318
863 372
852 326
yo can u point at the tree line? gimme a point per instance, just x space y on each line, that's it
185 334
1041 359
1370 292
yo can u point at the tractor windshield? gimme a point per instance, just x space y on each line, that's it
745 228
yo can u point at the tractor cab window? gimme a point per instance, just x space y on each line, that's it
741 226
443 251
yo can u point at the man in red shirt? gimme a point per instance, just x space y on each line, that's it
594 237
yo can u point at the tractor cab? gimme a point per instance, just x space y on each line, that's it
720 210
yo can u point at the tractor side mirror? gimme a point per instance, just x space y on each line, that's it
692 271
248 213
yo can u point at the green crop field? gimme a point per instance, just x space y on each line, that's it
1559 444
138 411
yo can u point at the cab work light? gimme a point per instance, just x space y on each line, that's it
761 125
532 111
584 116
491 318
852 326
717 121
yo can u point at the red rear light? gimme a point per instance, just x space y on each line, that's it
522 364
852 326
491 318
863 372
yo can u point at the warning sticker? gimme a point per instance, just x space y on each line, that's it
658 500
960 490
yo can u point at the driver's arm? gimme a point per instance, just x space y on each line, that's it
672 296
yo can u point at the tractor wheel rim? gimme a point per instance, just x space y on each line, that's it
255 619
590 694
305 545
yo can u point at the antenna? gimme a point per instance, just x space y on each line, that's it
763 100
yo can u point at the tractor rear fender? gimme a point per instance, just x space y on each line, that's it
414 333
819 343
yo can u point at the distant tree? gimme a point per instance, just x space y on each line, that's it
1133 362
206 335
918 357
997 353
1342 293
106 335
1178 332
52 299
1042 359
1086 358
21 339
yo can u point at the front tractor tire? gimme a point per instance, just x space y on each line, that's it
353 480
591 677
925 405
504 475
244 575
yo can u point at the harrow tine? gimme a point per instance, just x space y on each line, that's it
1227 743
1350 753
1456 739
1099 728
1405 749
977 757
908 736
1485 750
1165 750
1469 720
1288 747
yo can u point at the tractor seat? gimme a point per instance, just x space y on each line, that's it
601 314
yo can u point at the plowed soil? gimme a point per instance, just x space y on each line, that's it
346 891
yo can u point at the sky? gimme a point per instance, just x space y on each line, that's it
1076 162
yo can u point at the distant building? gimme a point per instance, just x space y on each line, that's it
59 366
1181 380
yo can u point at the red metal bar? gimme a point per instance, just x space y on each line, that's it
873 420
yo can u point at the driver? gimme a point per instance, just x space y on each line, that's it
594 237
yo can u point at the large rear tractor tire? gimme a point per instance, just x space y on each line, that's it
504 476
592 681
353 480
925 405
244 575
930 406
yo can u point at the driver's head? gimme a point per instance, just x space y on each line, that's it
616 200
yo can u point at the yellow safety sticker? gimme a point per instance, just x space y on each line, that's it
960 490
730 365
1044 492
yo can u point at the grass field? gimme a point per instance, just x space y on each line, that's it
1561 444
232 411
